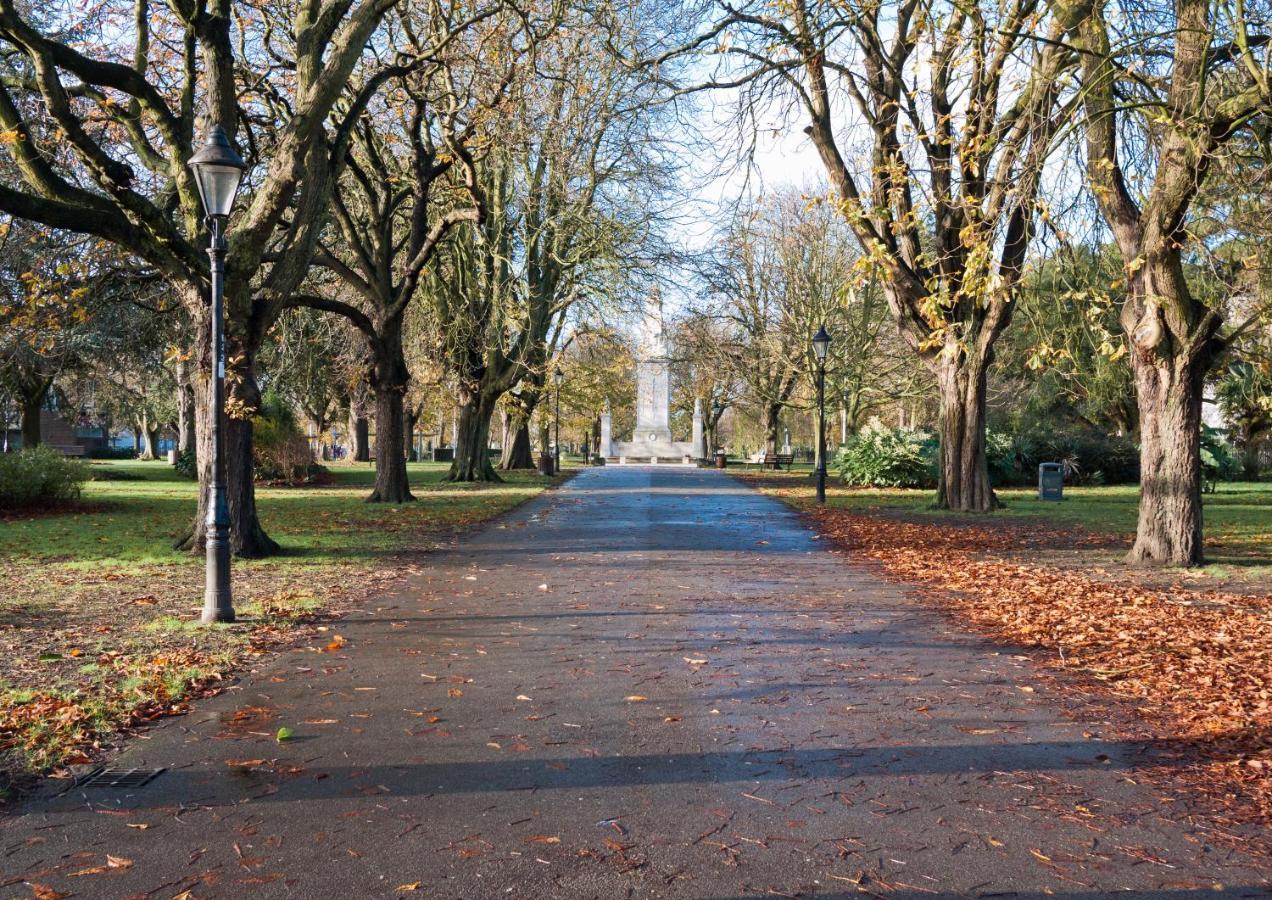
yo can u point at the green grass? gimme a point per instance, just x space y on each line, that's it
99 615
130 524
1238 517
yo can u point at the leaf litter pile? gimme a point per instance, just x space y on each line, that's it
1189 670
1193 665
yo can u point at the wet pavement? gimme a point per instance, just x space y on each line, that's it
652 682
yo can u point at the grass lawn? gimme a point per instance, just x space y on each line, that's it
1238 517
98 615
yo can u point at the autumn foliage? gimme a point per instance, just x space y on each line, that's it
1192 667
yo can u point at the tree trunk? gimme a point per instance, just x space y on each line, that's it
185 407
1170 524
389 379
442 440
772 424
409 418
360 434
472 461
32 403
248 539
964 467
1250 459
518 454
151 432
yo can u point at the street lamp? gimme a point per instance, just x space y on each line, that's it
821 344
557 378
218 169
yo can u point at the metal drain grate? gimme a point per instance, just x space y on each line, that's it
117 778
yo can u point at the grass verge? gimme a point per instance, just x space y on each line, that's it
99 616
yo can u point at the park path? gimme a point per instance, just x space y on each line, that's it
652 682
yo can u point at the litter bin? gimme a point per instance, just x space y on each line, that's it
1050 481
545 464
721 459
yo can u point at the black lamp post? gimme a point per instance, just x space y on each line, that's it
821 343
218 169
557 378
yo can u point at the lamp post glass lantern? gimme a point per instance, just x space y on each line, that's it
218 170
821 344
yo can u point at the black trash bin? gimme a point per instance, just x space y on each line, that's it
1050 481
545 464
721 459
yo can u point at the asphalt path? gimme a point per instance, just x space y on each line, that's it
650 682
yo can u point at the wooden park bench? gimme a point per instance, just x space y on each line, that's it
777 460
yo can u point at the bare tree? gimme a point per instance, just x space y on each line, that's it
958 105
1166 91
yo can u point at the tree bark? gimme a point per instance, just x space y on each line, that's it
409 419
389 380
1170 514
518 454
185 407
151 432
32 403
248 539
772 424
964 466
360 434
472 460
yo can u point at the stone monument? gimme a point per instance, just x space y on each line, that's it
651 441
607 428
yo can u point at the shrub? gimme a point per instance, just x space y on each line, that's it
879 456
281 453
187 465
1219 461
39 475
1000 451
1088 456
280 449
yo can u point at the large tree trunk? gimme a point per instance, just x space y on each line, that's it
248 539
32 402
1170 524
964 467
472 460
185 407
389 380
518 454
